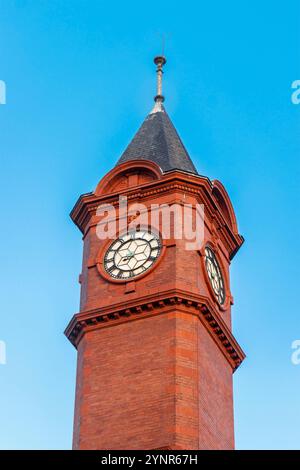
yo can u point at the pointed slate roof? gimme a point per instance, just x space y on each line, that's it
157 140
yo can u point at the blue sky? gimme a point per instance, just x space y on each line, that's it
80 79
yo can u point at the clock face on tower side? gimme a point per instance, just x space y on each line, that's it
132 254
215 275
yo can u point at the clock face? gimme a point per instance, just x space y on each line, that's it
215 275
132 254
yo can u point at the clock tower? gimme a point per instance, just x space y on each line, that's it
155 349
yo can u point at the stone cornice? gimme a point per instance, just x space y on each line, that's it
159 304
87 204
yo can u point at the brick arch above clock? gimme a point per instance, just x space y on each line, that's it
221 196
128 175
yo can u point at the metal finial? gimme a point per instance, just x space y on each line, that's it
160 62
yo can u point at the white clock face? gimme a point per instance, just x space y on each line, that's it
132 254
215 275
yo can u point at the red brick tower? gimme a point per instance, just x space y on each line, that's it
155 349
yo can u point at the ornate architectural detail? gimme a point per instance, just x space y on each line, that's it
200 186
162 304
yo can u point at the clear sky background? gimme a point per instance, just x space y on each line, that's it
80 80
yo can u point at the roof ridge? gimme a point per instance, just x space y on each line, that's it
178 136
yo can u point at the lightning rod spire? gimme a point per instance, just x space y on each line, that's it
159 98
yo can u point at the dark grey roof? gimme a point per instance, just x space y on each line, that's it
157 140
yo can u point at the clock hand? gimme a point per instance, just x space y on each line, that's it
126 258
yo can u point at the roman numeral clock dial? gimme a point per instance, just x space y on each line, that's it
132 254
215 275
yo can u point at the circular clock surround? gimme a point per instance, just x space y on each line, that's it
131 255
215 276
